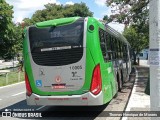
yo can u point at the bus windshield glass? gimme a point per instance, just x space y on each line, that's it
56 37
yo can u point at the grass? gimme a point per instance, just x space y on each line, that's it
13 77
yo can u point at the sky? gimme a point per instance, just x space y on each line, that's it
26 8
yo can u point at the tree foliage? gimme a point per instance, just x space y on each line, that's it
135 15
5 16
6 31
137 39
10 33
53 11
129 11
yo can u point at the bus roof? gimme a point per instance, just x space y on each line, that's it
69 20
57 22
116 34
111 31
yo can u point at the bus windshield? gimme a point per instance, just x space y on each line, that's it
56 37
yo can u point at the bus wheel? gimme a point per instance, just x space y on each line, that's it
116 91
119 82
122 79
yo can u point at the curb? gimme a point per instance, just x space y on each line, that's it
133 88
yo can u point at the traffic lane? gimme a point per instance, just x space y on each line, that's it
12 90
12 96
21 106
16 103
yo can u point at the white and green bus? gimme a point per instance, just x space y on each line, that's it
74 61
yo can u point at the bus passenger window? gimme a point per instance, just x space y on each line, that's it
114 47
108 44
125 52
102 42
119 50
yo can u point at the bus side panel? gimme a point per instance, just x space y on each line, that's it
27 65
93 43
109 82
92 47
89 69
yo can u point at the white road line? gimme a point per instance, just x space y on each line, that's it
18 93
40 107
12 85
0 99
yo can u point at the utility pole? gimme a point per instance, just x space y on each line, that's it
154 55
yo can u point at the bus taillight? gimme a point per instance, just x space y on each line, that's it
28 87
96 85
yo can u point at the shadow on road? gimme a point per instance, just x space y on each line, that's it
74 112
56 112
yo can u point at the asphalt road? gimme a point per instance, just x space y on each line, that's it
12 94
12 98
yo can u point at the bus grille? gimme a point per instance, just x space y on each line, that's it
58 57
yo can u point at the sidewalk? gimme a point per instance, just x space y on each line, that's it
139 100
144 63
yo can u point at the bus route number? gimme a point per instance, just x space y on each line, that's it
76 67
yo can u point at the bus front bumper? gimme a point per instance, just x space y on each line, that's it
87 99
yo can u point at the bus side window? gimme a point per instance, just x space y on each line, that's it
122 50
125 52
119 49
113 47
108 44
116 48
103 42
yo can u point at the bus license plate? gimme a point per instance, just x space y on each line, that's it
58 86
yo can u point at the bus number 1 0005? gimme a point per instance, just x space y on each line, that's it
76 67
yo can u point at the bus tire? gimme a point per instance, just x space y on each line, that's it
119 82
116 91
122 79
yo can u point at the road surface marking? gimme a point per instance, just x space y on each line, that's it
0 99
40 107
19 93
11 85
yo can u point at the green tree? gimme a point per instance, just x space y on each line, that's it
129 11
17 34
137 40
107 19
10 34
135 15
53 11
6 31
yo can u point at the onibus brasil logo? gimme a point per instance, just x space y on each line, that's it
21 114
